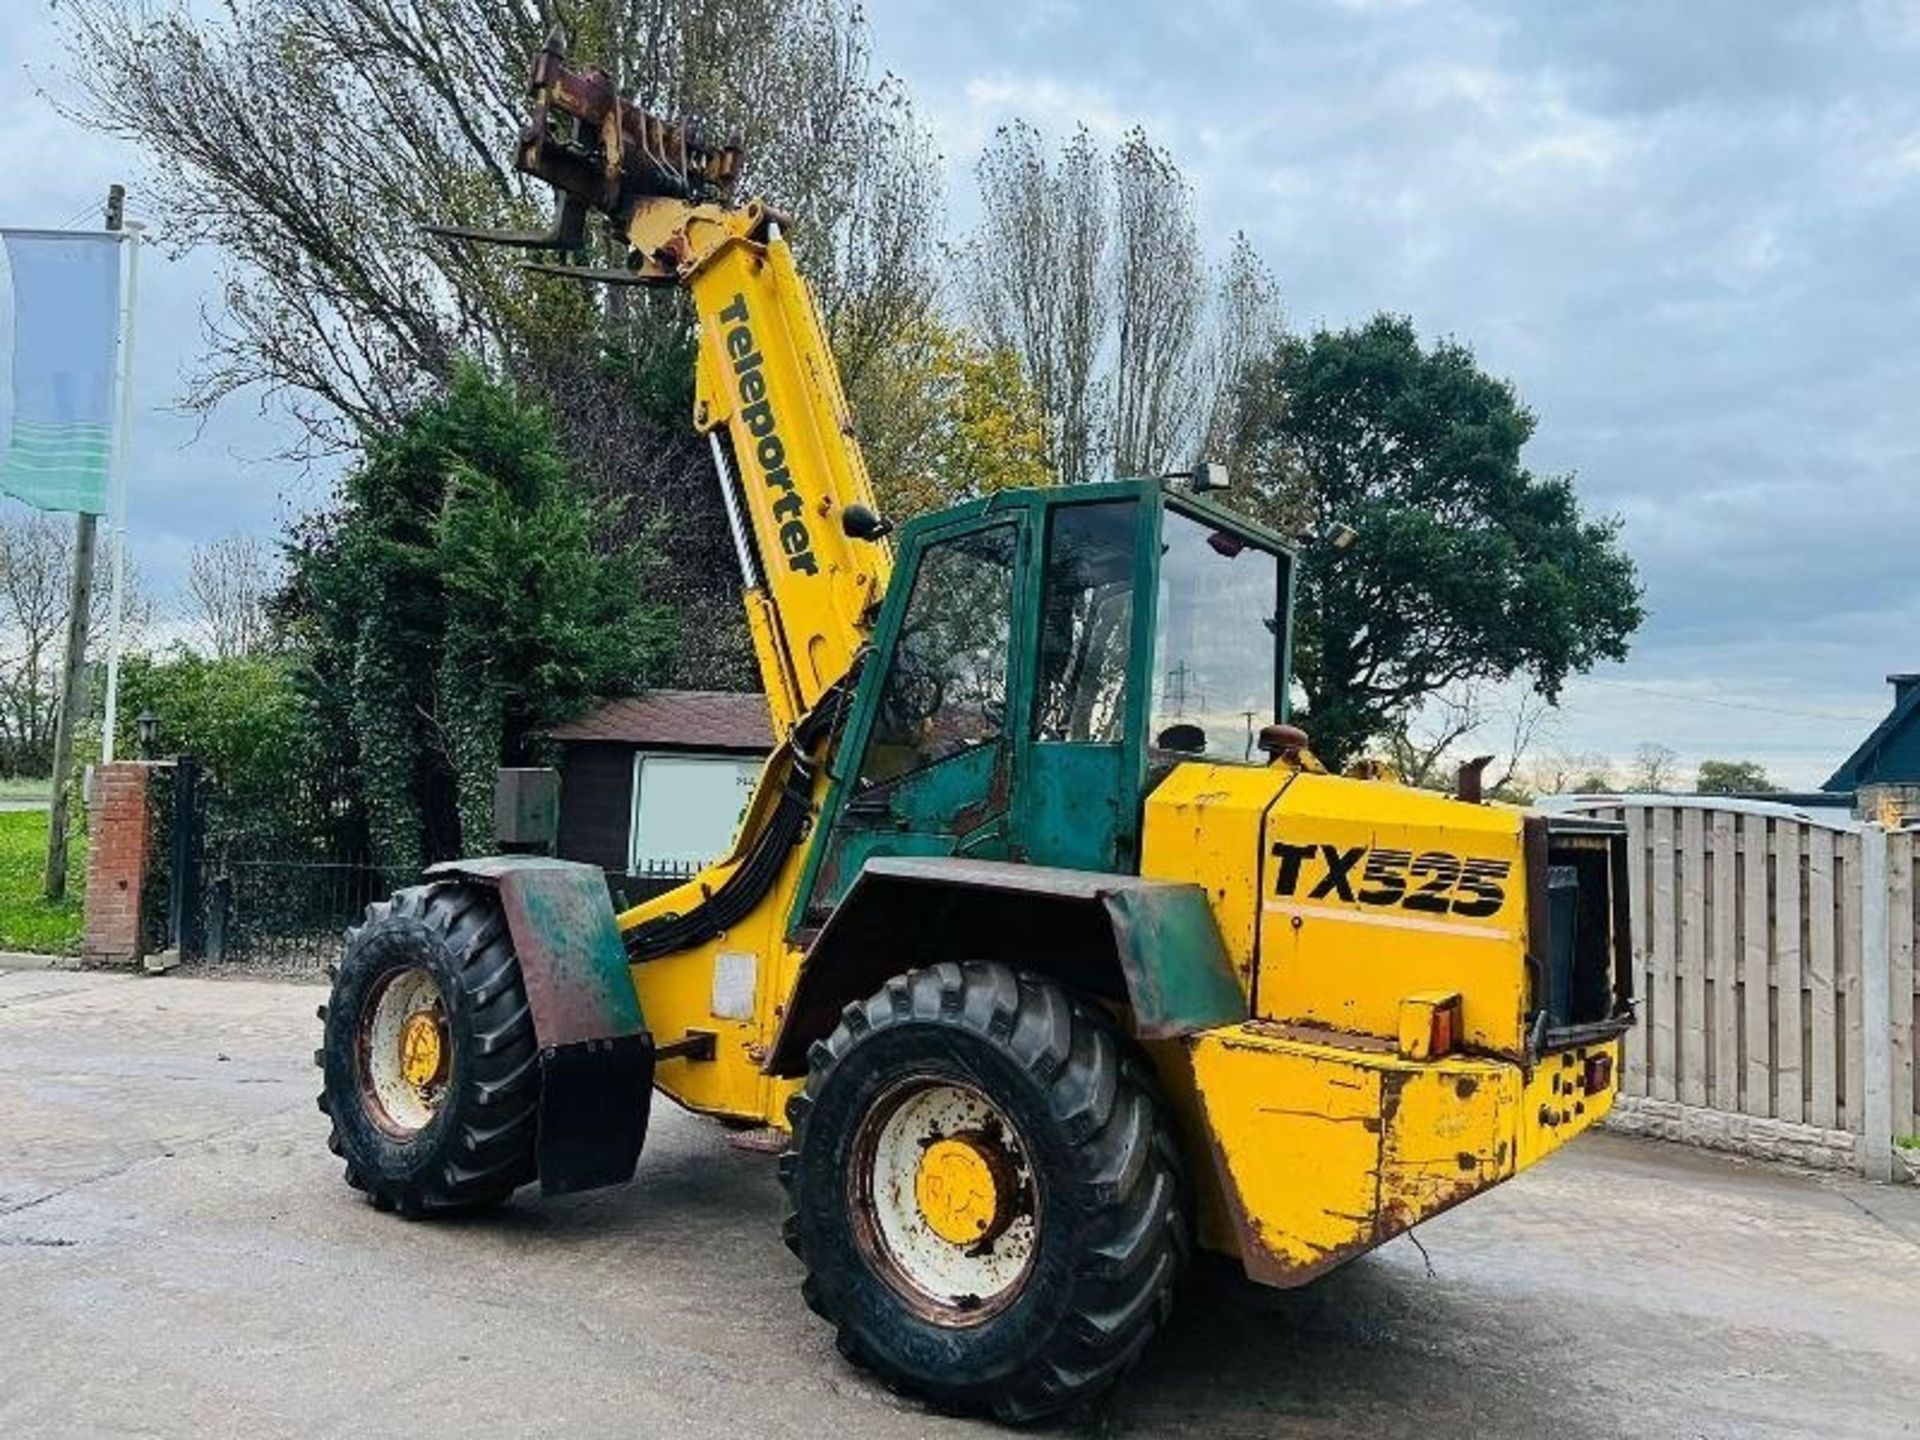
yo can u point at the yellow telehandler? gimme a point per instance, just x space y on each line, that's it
1052 970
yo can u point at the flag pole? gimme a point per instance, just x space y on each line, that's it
121 451
79 601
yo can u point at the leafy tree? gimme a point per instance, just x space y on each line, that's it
1468 567
456 605
959 421
242 717
1734 777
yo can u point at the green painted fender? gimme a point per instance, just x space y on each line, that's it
1151 944
596 1057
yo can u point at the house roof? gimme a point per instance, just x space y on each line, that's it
678 719
1887 748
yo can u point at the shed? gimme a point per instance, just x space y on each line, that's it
1884 771
652 786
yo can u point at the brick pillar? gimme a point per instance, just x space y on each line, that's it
119 845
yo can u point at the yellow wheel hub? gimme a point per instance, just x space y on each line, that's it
958 1190
423 1050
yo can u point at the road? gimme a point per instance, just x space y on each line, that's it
178 1257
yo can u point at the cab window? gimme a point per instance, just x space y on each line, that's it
1218 631
946 685
1086 622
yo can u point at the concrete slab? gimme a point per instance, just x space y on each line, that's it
178 1257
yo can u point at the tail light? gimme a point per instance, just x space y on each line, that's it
1598 1074
1430 1025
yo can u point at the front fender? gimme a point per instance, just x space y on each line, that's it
596 1057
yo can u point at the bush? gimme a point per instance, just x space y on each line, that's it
241 718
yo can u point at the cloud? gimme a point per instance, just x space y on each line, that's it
1684 234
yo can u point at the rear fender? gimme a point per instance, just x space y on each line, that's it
596 1056
1150 944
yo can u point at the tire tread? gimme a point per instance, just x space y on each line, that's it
1101 1093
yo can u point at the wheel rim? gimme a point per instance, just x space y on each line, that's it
405 1051
944 1200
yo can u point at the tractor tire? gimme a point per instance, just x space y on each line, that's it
985 1192
431 1071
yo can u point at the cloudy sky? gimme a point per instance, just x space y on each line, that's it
1685 232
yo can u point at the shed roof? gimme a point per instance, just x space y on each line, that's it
1891 753
679 720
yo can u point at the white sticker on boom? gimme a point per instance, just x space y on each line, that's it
733 977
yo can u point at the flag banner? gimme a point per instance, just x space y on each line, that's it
66 325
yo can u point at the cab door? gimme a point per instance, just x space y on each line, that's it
1079 751
934 757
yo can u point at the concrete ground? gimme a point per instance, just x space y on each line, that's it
178 1257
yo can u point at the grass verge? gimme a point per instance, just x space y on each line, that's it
27 920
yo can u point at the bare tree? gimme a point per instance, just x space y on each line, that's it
36 576
229 582
36 568
311 140
1428 745
1565 772
1418 747
1655 769
1092 270
1036 280
1244 323
1159 303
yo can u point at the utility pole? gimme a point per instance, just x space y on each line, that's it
73 674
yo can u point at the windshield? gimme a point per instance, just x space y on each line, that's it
1218 632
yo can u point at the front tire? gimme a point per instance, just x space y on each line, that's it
432 1074
985 1192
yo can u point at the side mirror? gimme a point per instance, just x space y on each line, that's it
1210 475
1182 738
1205 475
859 522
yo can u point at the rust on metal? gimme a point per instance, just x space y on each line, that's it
571 956
1282 742
1407 1191
1469 783
637 154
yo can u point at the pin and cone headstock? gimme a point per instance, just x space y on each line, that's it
603 154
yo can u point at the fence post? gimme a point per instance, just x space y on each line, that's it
217 918
1876 1009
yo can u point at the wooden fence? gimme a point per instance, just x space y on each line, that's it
1759 940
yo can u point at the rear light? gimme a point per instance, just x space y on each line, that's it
1430 1025
1598 1076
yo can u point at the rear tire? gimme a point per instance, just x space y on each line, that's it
1021 1094
449 1125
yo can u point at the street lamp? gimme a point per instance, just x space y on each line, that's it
148 725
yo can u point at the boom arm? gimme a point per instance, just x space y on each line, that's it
767 393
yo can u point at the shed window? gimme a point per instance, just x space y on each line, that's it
686 809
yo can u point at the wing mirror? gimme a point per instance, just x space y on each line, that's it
859 522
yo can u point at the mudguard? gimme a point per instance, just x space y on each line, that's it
596 1056
1152 944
